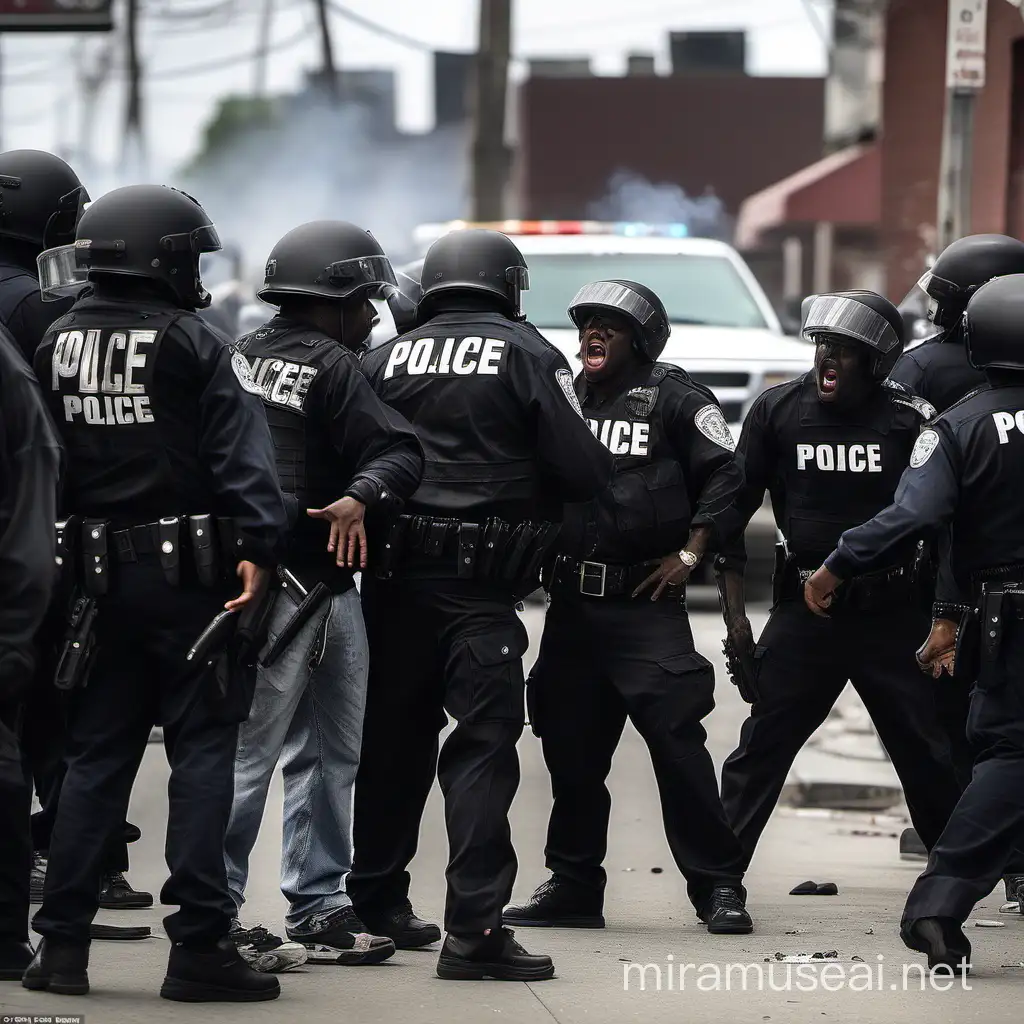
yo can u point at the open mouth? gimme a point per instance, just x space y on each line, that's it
595 353
827 380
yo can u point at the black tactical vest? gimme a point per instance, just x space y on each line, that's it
838 470
284 361
647 508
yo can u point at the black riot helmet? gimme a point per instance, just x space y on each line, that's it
404 301
992 325
140 231
962 268
327 259
636 302
41 198
860 316
477 262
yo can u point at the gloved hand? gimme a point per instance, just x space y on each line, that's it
937 654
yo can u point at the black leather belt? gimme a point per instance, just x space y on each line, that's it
598 579
127 545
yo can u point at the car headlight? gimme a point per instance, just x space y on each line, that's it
771 379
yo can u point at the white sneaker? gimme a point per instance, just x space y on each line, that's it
265 952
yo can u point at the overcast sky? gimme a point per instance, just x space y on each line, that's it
40 105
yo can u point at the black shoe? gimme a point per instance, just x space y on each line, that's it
942 940
725 913
117 894
341 938
403 927
911 847
1013 884
216 974
59 967
14 959
498 956
557 903
37 879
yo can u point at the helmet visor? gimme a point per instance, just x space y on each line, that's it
365 273
60 228
198 241
615 296
838 314
60 274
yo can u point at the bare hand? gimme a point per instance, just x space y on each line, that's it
741 634
254 579
348 535
937 654
672 572
819 591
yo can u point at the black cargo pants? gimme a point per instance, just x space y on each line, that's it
601 661
803 664
437 646
140 678
16 846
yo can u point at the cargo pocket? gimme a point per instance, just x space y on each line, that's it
486 677
687 695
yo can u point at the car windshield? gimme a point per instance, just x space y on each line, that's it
695 289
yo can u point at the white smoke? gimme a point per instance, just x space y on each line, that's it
631 197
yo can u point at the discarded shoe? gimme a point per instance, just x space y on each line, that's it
815 889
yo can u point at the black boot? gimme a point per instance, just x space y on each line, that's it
117 894
59 967
942 940
215 974
403 927
558 903
725 913
14 959
498 956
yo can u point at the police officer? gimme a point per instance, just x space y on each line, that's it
617 640
30 461
165 452
940 372
344 456
505 445
964 472
41 199
830 447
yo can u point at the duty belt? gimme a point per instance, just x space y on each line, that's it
494 550
599 579
859 593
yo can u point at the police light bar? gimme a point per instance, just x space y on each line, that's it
558 227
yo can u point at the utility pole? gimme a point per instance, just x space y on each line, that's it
133 145
259 82
327 49
965 76
491 158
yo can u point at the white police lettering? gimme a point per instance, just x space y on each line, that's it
840 458
927 442
1007 421
281 382
622 437
117 397
711 423
243 373
445 357
564 381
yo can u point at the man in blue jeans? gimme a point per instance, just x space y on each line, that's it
333 437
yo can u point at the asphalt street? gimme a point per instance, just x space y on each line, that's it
868 976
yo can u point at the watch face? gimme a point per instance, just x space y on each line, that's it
688 557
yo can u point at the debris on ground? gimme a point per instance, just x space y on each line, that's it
815 889
989 924
656 871
801 958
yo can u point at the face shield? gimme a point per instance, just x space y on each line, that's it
60 228
847 318
372 274
195 243
615 298
61 275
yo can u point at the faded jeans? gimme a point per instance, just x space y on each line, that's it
308 712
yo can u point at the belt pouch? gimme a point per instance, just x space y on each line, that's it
169 537
469 536
204 551
95 564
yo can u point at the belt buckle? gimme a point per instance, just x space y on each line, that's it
590 571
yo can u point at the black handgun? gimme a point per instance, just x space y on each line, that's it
78 651
213 640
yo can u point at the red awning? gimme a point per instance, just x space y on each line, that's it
843 188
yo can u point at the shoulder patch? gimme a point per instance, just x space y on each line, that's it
711 423
564 379
927 442
243 373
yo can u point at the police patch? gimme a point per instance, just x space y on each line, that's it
927 442
564 378
640 402
243 373
711 423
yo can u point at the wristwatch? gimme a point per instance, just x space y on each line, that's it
688 558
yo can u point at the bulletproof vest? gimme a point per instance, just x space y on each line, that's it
838 469
283 362
988 528
16 284
127 459
648 505
950 375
